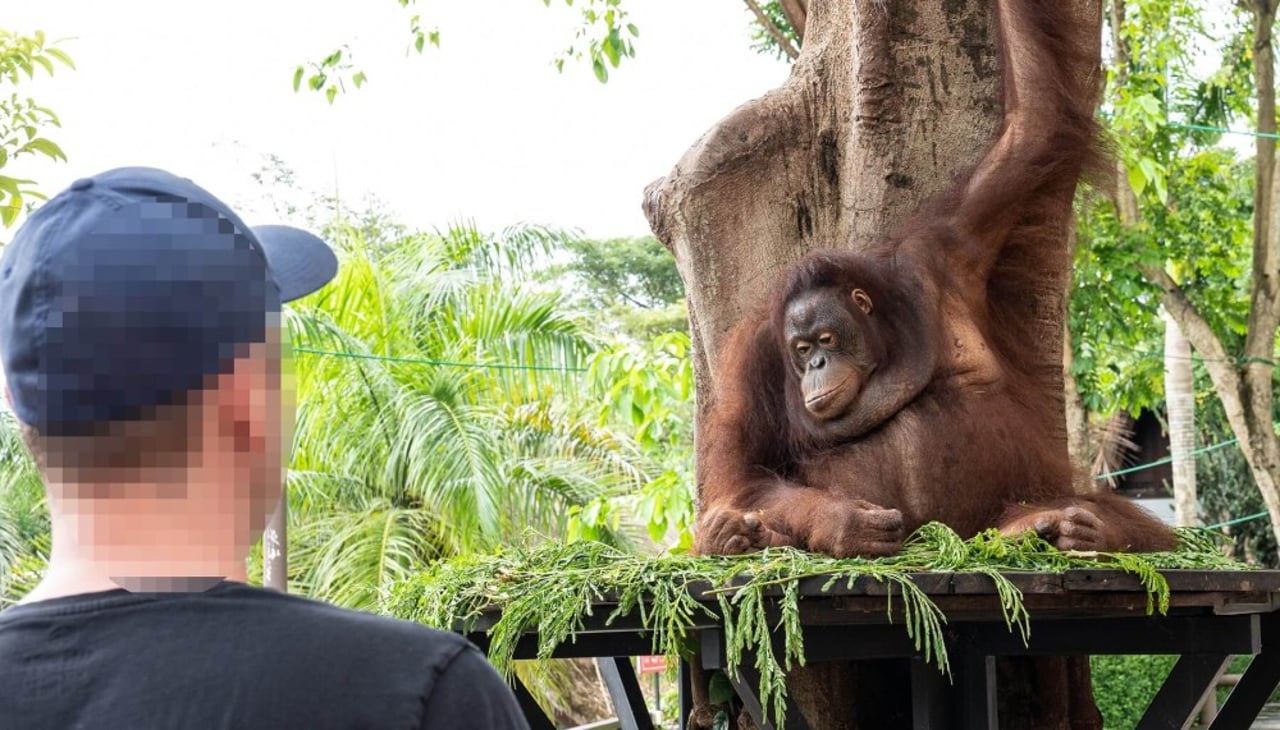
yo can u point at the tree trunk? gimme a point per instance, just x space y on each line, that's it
887 102
1264 302
1180 402
1078 444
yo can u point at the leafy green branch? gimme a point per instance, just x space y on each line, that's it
22 120
604 37
606 33
552 589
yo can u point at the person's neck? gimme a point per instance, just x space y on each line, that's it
139 545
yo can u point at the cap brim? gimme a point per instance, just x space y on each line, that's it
300 262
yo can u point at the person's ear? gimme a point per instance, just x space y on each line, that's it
241 403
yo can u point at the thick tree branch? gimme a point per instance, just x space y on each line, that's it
773 30
1196 328
1264 304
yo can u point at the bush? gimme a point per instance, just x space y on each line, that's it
1124 685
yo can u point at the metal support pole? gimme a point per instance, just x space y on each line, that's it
275 542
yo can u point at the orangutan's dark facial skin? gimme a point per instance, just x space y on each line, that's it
834 348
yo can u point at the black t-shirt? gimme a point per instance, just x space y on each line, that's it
237 657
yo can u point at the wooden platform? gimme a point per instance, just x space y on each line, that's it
1212 616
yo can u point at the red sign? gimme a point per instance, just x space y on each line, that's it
653 664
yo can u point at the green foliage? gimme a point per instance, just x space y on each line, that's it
22 120
330 75
1194 204
448 419
551 589
1225 485
24 523
764 42
1123 686
1153 85
604 37
421 36
646 324
638 272
1202 233
647 392
634 281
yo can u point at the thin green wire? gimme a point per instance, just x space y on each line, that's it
1236 521
504 366
1121 472
444 363
1221 130
1168 459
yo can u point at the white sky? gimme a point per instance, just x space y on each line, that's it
482 128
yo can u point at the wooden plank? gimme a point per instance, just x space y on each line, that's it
1190 680
1250 588
533 714
1256 684
746 686
1148 635
1250 694
624 689
750 702
686 694
584 644
930 698
1211 581
977 692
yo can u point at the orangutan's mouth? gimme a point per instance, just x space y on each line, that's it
818 401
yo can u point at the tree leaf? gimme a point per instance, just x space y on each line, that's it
359 79
602 73
10 210
720 689
610 50
9 185
297 78
44 147
1137 180
62 56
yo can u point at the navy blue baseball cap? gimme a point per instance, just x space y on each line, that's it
129 289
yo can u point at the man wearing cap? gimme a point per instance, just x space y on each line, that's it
141 345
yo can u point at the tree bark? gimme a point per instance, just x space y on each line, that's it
1180 404
1078 444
